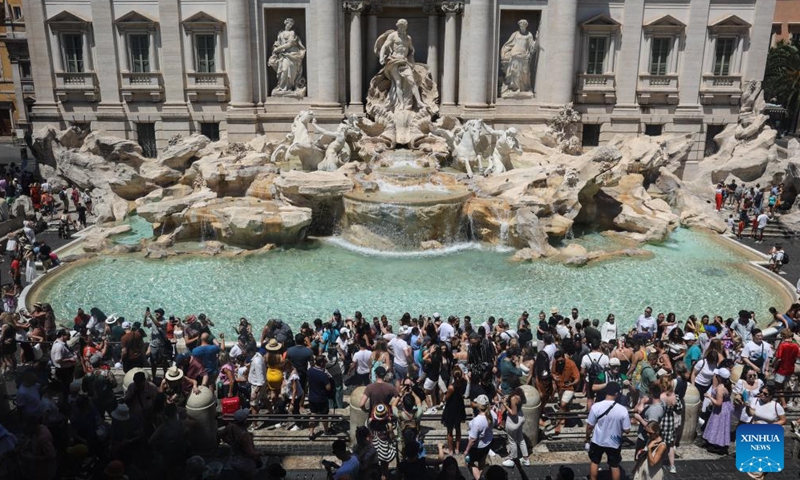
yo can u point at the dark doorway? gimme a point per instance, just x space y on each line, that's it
591 135
711 146
653 130
210 130
146 133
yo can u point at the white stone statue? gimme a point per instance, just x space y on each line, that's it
395 52
506 144
752 100
287 57
471 145
298 144
337 153
515 60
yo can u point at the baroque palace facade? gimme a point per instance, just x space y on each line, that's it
150 69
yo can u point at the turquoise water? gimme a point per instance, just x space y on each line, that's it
689 274
141 229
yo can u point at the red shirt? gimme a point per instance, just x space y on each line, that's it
787 353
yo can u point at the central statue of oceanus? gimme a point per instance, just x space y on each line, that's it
402 94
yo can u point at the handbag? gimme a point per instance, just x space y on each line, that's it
230 405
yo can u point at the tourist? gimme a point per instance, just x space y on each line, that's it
480 437
449 470
296 394
226 379
401 352
63 359
543 328
382 427
784 363
245 459
379 392
766 409
454 415
755 354
566 377
300 356
606 425
361 365
649 467
517 447
132 343
761 224
646 325
719 192
671 420
140 397
703 371
608 331
320 388
649 409
776 256
717 432
193 371
746 389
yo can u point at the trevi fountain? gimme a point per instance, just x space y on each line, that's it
406 209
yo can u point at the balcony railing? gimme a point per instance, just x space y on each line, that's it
76 82
658 82
146 83
214 83
722 82
27 86
594 86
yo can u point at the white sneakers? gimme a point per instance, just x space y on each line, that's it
510 463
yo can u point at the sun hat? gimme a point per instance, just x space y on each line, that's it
126 325
380 411
614 362
241 415
554 310
112 319
273 345
122 413
688 336
173 374
482 401
722 372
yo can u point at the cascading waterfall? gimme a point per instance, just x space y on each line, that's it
570 235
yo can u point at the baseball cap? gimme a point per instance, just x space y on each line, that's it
126 325
436 315
722 372
614 362
688 336
482 400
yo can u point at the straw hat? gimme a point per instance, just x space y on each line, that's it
273 345
111 320
174 374
554 310
380 411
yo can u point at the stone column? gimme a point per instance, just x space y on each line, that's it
449 73
433 41
691 413
627 69
356 73
19 98
41 61
759 40
240 71
476 33
560 48
358 417
691 73
372 36
326 21
532 411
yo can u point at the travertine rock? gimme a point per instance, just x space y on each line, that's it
180 155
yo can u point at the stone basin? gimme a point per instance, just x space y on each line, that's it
408 216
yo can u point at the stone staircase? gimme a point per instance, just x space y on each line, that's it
776 229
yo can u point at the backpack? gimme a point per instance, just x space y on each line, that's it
595 370
785 258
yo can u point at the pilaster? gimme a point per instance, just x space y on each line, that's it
559 46
627 69
45 109
450 70
691 74
356 55
240 75
475 47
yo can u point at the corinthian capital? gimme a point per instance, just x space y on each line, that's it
452 7
353 7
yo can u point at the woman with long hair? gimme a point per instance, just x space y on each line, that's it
380 358
649 466
718 428
517 448
454 415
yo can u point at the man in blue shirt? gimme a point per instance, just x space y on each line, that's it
208 354
319 387
350 464
693 351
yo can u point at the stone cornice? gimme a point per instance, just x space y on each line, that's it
353 7
452 7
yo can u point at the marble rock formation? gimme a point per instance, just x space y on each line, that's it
320 191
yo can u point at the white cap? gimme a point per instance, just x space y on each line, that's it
722 372
126 325
482 400
436 315
689 336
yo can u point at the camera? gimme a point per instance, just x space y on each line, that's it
328 464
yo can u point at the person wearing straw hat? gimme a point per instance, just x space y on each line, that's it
274 366
174 386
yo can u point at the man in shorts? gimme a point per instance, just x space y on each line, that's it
608 422
256 378
761 224
319 388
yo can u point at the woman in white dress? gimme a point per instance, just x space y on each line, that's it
30 266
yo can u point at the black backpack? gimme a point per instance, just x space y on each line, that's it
594 371
785 258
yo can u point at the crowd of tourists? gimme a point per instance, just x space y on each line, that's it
470 375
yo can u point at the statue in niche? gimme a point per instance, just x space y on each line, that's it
287 57
402 96
395 52
515 60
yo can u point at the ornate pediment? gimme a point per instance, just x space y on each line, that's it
665 24
203 21
600 23
730 24
67 20
134 20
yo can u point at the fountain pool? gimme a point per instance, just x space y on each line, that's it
690 273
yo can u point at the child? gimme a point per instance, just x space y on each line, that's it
731 223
